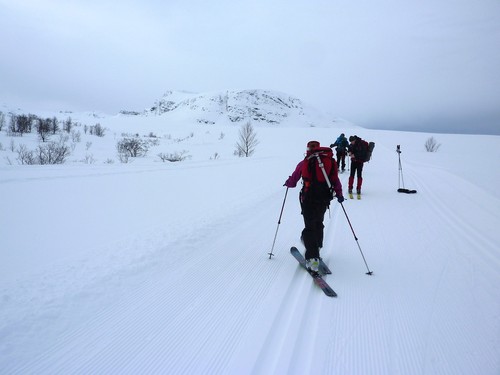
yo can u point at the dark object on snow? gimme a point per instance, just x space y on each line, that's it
401 179
407 191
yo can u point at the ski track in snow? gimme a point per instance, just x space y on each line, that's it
157 318
460 270
198 299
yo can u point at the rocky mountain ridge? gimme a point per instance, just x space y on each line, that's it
261 106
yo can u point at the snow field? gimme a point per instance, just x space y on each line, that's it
163 268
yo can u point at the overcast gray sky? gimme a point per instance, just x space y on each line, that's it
382 63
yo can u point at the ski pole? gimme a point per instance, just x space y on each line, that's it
279 222
400 175
356 238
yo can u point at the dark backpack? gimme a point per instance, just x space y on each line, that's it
363 150
315 186
371 146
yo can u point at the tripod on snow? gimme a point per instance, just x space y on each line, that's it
401 181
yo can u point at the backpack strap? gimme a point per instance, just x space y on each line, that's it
322 168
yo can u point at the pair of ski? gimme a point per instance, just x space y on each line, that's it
317 276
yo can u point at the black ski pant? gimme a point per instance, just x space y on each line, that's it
312 234
356 169
341 160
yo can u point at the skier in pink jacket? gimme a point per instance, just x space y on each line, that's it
315 196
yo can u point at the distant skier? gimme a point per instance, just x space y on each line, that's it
358 151
341 145
315 196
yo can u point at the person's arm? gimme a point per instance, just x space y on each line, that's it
292 180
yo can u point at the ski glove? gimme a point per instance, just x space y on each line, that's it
340 199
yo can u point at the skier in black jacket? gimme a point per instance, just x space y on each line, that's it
358 151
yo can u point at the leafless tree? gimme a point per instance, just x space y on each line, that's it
43 128
2 120
67 125
12 125
54 126
22 124
247 141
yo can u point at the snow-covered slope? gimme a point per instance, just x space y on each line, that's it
236 106
162 268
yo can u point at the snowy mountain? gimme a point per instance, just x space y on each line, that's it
153 267
260 107
257 106
176 123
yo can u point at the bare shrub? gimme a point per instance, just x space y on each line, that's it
49 153
173 157
179 140
123 157
431 145
25 156
52 153
76 136
68 125
98 130
2 120
88 159
132 147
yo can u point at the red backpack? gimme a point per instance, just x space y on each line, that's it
315 185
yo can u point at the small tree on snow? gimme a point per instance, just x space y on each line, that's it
431 145
2 120
132 147
173 157
247 141
67 125
43 128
